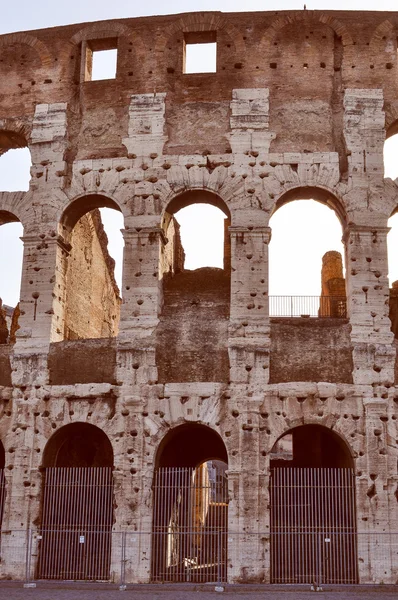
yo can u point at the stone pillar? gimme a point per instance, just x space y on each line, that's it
249 339
142 302
368 304
142 295
376 563
47 145
42 305
22 483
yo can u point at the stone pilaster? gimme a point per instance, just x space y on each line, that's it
141 289
48 145
249 121
42 307
249 321
368 304
146 125
142 302
376 562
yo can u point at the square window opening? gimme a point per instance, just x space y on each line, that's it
104 65
100 59
200 52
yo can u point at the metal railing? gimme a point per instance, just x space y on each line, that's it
308 306
248 553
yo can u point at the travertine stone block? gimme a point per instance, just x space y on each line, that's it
146 124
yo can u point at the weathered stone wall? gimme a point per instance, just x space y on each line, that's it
298 108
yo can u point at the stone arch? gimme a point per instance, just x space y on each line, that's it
66 443
80 205
11 207
182 435
100 30
342 450
202 22
182 180
307 16
31 41
384 29
14 133
319 193
195 196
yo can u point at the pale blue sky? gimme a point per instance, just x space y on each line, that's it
296 222
29 14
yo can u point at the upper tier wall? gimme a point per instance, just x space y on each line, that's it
300 56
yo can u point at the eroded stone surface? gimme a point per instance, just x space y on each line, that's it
299 108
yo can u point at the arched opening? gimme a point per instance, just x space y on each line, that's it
200 297
91 227
11 232
391 170
196 227
306 256
190 508
77 507
2 481
15 163
312 508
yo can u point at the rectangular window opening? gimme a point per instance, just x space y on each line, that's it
200 52
100 59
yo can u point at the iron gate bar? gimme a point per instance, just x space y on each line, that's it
313 527
2 497
189 524
76 523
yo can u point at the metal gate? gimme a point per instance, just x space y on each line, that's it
313 526
2 494
2 499
190 520
76 523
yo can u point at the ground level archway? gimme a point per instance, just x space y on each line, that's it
312 508
77 508
190 507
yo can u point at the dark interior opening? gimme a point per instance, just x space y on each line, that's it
78 445
190 446
311 446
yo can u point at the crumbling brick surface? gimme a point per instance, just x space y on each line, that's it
86 361
193 331
5 365
305 349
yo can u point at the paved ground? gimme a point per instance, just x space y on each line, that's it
16 591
